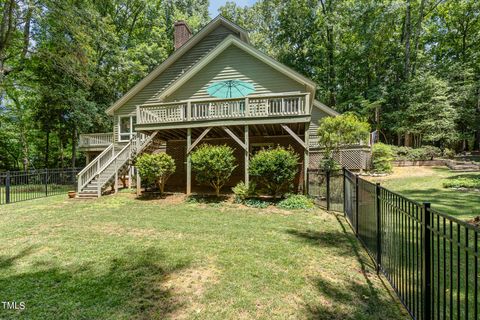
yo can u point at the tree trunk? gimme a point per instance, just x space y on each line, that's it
47 148
74 146
407 36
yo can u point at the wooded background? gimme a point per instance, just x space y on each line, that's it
410 67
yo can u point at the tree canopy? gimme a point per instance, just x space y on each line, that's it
410 67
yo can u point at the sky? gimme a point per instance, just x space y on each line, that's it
215 4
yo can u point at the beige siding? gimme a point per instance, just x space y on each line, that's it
234 63
190 58
317 115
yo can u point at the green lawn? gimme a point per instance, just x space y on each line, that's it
122 258
425 184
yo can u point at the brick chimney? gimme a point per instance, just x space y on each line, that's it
181 33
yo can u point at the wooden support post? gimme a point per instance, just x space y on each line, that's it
87 157
138 182
115 185
306 158
197 141
294 135
189 162
130 173
247 156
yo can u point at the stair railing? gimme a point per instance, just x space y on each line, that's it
103 176
89 172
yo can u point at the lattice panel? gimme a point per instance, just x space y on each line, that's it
350 158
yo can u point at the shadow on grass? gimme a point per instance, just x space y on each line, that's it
6 261
348 299
151 195
130 288
207 199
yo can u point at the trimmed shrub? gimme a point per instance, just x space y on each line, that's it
411 154
155 168
382 157
213 165
274 169
296 201
243 192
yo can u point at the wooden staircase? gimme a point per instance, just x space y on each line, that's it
107 167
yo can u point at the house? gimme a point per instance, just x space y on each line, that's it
173 110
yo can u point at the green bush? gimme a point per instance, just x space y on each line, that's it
449 153
257 203
431 152
243 192
155 168
382 157
411 154
274 169
213 165
296 201
463 182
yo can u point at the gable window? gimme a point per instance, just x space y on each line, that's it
125 126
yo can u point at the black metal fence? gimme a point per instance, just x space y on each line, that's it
326 189
18 186
429 258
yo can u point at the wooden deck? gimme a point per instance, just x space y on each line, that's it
95 141
181 113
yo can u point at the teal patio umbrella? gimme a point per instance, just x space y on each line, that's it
230 89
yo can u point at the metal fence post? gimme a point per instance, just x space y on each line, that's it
46 182
426 283
344 192
356 204
7 188
328 189
379 226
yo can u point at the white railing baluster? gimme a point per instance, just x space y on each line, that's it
251 106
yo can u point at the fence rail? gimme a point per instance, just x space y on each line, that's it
16 186
429 258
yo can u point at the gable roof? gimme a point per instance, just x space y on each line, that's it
217 21
226 43
325 108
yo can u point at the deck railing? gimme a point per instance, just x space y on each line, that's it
212 109
95 140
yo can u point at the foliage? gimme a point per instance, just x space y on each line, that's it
384 60
342 130
62 63
382 157
415 154
243 192
449 153
213 165
274 169
155 168
257 203
462 182
296 201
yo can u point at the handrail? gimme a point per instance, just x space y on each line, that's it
95 139
100 184
113 158
83 181
96 159
279 104
213 99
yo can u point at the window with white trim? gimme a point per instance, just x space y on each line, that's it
125 127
